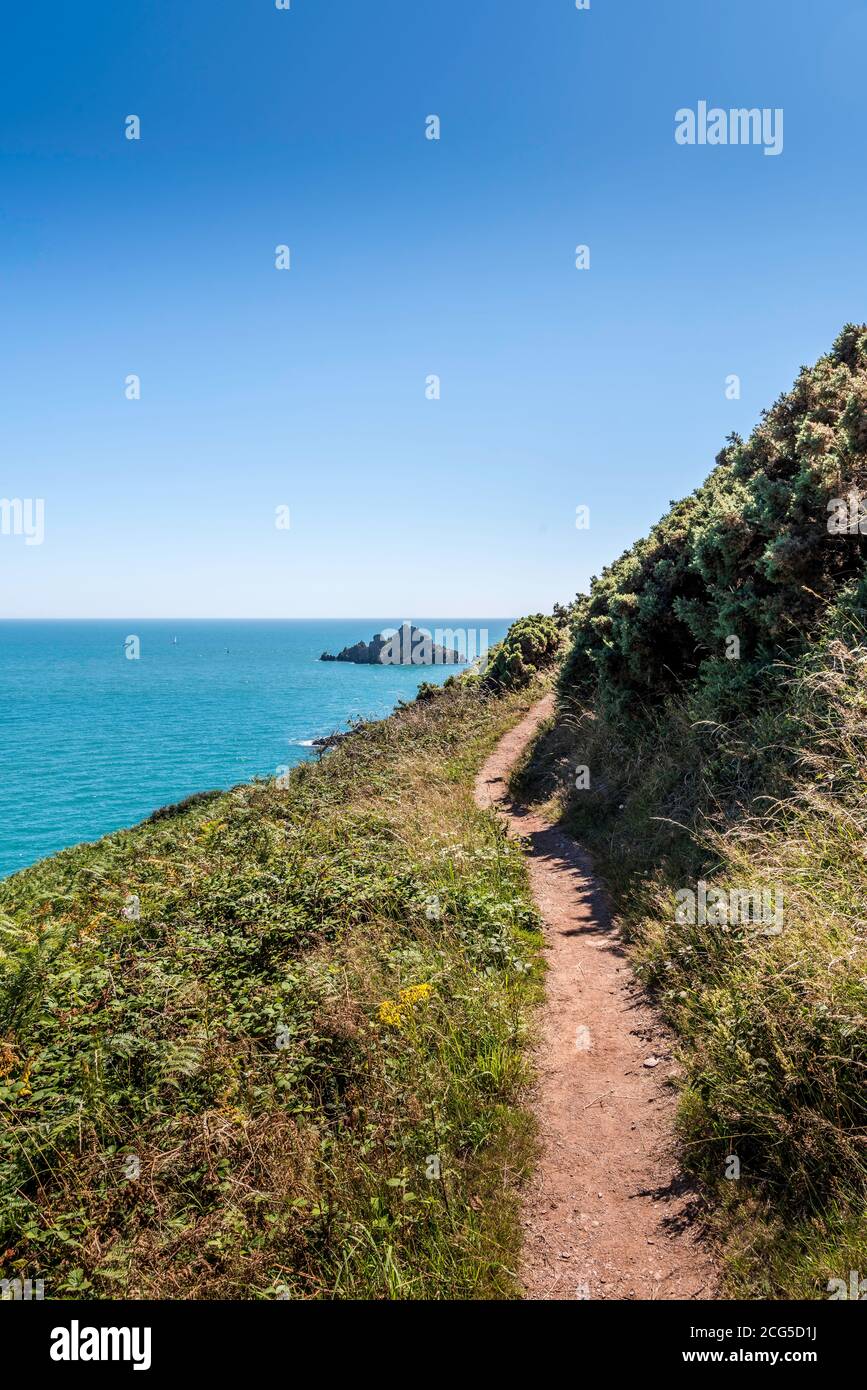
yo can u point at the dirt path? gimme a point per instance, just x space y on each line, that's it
606 1214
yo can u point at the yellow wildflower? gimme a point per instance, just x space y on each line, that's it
393 1011
414 994
390 1012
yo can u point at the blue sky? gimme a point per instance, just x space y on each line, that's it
306 388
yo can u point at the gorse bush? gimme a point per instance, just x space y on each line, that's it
749 556
528 647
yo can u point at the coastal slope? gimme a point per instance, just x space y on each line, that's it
710 749
272 1043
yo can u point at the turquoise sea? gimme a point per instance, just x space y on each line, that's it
91 741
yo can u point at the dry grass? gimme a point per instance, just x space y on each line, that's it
773 1026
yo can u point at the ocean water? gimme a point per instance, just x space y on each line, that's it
92 741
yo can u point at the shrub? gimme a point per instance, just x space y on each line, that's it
748 555
529 645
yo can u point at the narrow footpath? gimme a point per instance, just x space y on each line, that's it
607 1214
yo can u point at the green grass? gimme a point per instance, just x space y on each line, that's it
772 1029
242 1093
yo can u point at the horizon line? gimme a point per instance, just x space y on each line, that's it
247 618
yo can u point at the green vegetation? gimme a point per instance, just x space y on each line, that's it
300 1068
529 649
748 555
530 645
749 774
295 1065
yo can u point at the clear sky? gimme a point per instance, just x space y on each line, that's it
305 388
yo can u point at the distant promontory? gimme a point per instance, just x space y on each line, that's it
407 646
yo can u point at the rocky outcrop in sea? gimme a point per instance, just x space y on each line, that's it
408 646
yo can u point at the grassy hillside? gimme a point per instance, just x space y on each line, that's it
271 1043
715 694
